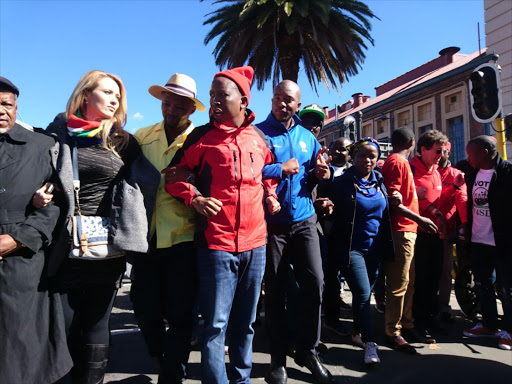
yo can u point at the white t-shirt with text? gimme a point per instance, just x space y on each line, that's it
482 232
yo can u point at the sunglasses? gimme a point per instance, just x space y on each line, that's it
311 124
441 150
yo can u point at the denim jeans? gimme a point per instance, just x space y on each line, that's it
229 289
361 274
486 259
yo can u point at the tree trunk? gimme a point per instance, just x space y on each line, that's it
288 59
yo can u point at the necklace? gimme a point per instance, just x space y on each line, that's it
368 190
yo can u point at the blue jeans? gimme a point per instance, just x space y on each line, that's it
229 289
361 274
486 259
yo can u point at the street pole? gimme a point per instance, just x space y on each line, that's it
500 137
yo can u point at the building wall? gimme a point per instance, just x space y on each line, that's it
498 39
444 106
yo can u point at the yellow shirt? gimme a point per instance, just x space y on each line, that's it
172 220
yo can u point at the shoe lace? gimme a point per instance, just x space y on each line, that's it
503 335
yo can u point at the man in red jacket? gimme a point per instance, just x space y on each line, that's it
428 250
227 156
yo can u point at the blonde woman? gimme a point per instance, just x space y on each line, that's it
115 182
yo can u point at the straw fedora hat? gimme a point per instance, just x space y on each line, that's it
179 84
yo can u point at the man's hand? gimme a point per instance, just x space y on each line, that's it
7 245
459 180
291 167
322 170
175 174
207 206
41 198
323 206
395 199
427 225
272 205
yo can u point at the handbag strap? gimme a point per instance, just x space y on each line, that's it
76 179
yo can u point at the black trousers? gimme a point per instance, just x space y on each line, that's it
164 287
296 244
87 314
428 258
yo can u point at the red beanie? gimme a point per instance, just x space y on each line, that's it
242 76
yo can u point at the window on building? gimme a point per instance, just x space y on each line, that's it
456 137
403 119
453 102
425 112
367 130
425 128
381 126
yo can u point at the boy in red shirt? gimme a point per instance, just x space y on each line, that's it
405 219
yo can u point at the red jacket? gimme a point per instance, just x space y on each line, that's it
228 163
452 199
428 186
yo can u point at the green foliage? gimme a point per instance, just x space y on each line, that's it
327 37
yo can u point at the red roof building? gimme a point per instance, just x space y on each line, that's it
434 95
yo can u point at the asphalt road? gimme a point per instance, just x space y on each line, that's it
454 359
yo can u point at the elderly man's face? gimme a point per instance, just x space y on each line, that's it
8 111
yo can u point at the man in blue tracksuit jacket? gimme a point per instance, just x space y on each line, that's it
292 235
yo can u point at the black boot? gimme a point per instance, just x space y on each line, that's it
95 363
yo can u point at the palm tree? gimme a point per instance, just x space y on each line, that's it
275 36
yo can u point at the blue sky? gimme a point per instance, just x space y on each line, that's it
46 46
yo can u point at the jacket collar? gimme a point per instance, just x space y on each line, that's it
158 133
18 133
278 125
249 118
419 165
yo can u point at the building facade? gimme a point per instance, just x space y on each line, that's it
434 95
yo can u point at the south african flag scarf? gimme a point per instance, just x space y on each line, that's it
84 130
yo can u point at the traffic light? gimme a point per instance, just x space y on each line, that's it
485 93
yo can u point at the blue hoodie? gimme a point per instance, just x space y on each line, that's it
293 190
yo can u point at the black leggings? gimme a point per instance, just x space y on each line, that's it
87 313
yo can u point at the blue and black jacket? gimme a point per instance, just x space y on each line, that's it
294 191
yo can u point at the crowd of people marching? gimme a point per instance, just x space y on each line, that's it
206 214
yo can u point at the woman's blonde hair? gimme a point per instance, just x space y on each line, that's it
87 84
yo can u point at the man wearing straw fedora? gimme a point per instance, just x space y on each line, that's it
164 280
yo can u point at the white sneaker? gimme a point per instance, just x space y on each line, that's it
505 341
370 353
357 340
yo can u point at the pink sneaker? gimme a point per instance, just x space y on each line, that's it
479 331
505 341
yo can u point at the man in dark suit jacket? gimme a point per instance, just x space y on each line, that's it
32 339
